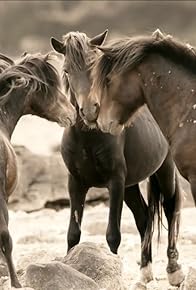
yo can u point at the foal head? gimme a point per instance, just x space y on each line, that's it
34 84
79 53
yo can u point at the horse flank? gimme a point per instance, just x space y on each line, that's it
125 54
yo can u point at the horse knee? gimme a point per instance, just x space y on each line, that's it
113 240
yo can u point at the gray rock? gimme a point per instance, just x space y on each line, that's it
57 276
98 263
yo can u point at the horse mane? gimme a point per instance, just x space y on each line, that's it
32 72
78 56
5 62
125 54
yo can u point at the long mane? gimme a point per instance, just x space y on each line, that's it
31 72
5 62
125 54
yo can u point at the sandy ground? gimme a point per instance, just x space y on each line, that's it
41 237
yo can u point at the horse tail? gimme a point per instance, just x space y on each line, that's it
154 209
155 202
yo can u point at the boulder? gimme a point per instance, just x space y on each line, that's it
57 276
98 263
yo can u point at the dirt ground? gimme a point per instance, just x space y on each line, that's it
41 236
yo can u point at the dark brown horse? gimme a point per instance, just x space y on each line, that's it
119 163
30 87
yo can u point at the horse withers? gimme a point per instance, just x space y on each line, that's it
119 162
32 86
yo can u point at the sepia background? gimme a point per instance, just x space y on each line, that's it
28 26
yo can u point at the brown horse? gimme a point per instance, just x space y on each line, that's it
160 72
30 87
119 162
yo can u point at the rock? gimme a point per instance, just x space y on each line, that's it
190 280
98 263
57 276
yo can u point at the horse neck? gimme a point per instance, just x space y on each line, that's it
10 113
169 92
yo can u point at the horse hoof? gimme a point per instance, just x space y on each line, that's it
16 284
176 278
138 286
146 274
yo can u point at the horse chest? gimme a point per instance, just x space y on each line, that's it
94 169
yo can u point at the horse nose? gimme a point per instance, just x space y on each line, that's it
90 113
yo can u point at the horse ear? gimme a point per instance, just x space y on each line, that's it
24 54
99 39
57 45
157 34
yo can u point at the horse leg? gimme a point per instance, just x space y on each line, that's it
169 187
192 181
135 201
116 192
6 243
77 194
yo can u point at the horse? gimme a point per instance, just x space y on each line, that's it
31 85
158 71
119 163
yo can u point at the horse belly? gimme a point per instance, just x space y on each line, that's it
145 150
183 149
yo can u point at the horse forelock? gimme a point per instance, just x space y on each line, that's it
122 55
79 54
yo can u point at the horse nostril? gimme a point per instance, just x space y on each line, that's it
96 108
81 112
